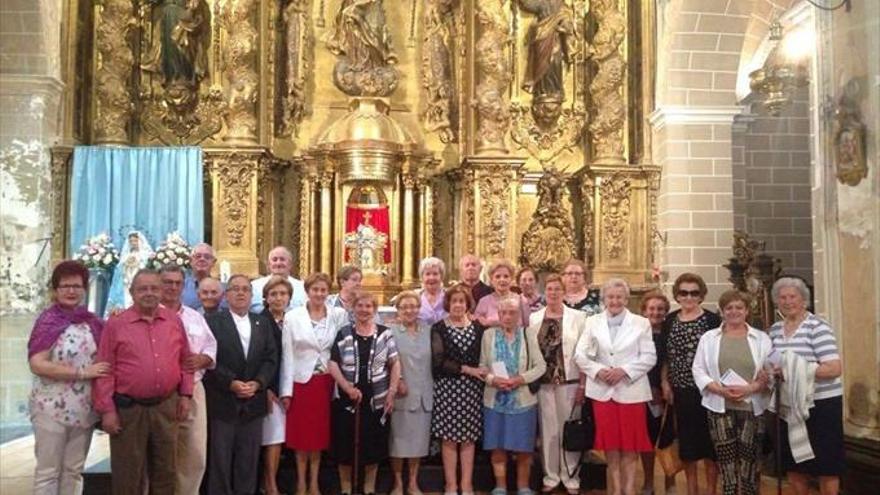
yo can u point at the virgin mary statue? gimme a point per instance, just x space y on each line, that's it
136 251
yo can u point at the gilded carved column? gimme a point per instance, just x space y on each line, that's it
493 76
61 166
324 181
305 233
113 68
234 177
410 243
608 86
240 70
491 188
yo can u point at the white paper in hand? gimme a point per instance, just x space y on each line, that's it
732 378
499 369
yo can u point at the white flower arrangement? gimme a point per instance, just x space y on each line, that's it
174 250
98 252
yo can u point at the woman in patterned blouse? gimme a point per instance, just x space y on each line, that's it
681 335
61 353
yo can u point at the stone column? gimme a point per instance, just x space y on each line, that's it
113 68
695 203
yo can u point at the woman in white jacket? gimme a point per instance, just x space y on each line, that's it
727 370
308 334
615 351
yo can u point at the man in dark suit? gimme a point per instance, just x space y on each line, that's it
247 362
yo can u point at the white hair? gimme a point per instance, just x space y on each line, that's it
283 249
614 283
510 302
792 282
432 262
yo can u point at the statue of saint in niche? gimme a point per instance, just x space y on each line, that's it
179 49
362 42
361 35
551 45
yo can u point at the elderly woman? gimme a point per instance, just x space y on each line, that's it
411 419
431 272
305 384
349 279
458 388
61 353
726 369
276 296
501 276
681 334
365 364
578 294
655 307
527 283
804 334
616 352
558 328
510 411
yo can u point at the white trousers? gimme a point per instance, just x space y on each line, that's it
192 445
61 454
554 407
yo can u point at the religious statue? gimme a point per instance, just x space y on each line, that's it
849 137
551 42
362 41
136 251
366 246
179 43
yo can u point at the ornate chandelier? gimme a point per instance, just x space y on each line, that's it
782 74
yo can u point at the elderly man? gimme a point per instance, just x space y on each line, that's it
147 394
469 268
192 439
247 362
202 261
280 262
210 295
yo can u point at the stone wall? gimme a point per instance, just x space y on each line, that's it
30 95
772 162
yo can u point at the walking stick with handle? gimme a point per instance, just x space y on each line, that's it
355 490
778 451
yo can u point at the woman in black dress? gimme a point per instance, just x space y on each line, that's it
458 388
681 334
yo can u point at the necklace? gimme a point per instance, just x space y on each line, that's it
789 327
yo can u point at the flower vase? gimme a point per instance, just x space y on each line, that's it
99 289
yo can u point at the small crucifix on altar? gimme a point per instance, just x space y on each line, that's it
365 246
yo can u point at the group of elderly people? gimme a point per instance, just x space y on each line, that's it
494 366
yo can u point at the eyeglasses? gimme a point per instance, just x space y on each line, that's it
70 287
202 256
692 293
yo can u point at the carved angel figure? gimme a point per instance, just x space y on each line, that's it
179 49
551 46
362 36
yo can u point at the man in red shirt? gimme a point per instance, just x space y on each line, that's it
147 393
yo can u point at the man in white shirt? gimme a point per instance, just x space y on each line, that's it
192 435
280 262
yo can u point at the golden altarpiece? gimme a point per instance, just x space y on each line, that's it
379 132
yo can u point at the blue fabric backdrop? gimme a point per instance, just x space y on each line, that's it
154 190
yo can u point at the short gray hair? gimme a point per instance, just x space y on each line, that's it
511 301
614 283
284 250
793 282
432 262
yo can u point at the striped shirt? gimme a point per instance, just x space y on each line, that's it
382 354
814 341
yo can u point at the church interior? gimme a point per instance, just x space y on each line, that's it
735 139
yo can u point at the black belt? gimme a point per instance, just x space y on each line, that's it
124 401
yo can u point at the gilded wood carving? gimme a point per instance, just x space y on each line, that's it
440 114
615 192
607 87
114 60
549 241
493 67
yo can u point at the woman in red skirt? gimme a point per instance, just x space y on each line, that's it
304 384
616 351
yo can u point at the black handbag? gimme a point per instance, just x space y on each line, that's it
578 434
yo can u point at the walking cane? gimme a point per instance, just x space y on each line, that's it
777 450
357 448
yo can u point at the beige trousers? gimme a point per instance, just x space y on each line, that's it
192 445
61 453
554 407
